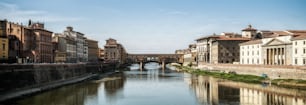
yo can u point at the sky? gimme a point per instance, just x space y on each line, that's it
156 26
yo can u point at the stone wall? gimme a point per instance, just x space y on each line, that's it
15 77
274 72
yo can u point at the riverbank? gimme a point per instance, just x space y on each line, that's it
19 80
272 71
233 76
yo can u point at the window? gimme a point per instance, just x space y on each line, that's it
3 46
296 43
295 61
295 51
304 61
304 50
257 61
304 42
257 52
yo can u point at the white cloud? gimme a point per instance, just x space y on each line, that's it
13 13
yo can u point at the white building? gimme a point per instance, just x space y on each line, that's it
81 46
299 50
250 52
276 48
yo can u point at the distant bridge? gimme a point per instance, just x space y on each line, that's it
162 59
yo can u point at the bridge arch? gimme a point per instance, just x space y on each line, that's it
162 59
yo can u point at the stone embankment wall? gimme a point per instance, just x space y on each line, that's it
274 72
21 79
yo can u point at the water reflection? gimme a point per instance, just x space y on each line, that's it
165 87
68 95
113 89
211 91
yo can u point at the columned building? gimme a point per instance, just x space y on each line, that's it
277 51
276 48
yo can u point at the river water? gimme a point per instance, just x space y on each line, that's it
165 87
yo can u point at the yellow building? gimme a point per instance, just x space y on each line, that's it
3 48
3 42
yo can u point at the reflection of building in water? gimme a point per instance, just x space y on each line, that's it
257 97
153 75
211 92
229 95
68 95
112 86
201 87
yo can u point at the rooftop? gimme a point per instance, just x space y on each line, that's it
249 28
300 37
258 41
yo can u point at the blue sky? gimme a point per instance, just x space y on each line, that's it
156 26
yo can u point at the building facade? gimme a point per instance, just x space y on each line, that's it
3 48
114 52
275 48
101 54
25 42
299 50
93 50
80 44
189 55
250 52
3 43
44 47
226 50
223 48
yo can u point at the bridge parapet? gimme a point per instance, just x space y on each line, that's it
160 58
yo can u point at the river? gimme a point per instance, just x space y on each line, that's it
165 87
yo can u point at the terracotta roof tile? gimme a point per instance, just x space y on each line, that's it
258 41
226 38
300 37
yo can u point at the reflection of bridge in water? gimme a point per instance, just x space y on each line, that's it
162 59
211 91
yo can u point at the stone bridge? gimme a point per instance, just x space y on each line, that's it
162 59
